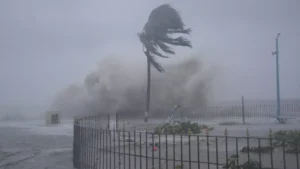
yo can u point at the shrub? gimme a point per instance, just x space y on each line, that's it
232 164
266 149
290 139
178 127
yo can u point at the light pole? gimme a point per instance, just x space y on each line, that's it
277 75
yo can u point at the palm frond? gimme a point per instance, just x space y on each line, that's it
183 31
162 19
159 54
179 41
165 47
163 22
153 47
154 63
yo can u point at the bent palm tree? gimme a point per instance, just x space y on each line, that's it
163 22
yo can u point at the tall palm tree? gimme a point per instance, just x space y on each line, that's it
158 34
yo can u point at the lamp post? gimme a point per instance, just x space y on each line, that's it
277 75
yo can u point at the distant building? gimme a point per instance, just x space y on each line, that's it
53 117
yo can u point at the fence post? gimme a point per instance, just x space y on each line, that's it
226 145
108 117
117 121
76 145
271 146
181 116
243 109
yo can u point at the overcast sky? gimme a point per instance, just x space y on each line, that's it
47 45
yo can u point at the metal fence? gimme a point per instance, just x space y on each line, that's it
82 137
254 113
244 113
99 147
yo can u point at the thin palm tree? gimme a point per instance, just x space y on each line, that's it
156 37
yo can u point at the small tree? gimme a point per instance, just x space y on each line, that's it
163 22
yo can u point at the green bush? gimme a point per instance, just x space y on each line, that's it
290 139
232 164
178 127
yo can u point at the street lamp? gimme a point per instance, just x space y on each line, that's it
277 75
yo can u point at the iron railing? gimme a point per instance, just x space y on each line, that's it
242 114
98 147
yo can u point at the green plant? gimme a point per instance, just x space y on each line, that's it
179 167
178 127
232 164
250 165
262 149
290 139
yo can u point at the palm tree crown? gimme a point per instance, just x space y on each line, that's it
158 33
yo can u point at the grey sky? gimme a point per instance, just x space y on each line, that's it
47 45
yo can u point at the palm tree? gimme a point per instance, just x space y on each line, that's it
158 33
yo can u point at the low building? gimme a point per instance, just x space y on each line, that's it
53 117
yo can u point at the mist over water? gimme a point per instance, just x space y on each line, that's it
120 86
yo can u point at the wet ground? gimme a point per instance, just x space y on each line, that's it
33 145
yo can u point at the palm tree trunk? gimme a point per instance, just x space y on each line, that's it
148 86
